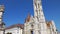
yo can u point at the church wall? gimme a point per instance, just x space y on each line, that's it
14 30
1 32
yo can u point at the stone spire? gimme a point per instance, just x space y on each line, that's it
38 11
40 24
28 18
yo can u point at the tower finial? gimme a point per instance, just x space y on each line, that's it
1 8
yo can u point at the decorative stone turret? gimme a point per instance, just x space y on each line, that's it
2 24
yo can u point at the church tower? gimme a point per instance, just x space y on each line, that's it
38 11
39 19
2 25
36 24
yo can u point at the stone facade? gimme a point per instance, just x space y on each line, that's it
36 24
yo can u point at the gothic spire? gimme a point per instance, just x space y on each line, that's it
28 18
38 11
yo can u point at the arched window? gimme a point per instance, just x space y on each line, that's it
36 4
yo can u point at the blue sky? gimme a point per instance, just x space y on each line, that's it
16 11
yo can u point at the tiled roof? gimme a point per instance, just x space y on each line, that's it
15 25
